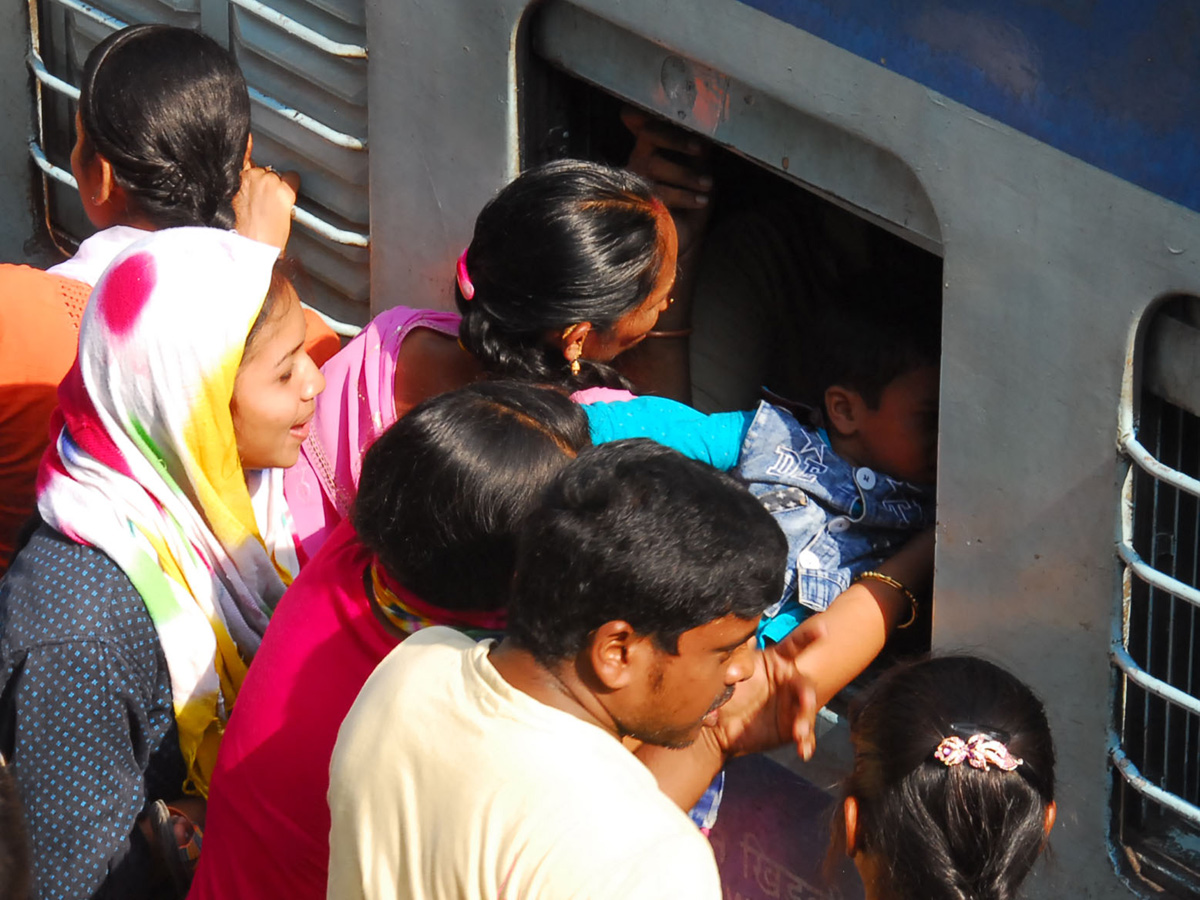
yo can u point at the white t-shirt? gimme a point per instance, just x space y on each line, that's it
447 783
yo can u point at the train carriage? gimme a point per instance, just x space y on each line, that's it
1045 151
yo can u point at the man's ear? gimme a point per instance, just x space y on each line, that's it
843 409
618 654
246 163
1051 815
850 818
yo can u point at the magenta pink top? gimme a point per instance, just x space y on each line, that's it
357 406
267 832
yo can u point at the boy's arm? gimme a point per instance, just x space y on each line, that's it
857 624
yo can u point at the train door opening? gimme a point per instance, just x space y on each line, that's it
778 266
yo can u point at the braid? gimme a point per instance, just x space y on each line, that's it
564 243
526 356
170 111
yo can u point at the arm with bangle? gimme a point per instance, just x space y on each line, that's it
800 674
857 623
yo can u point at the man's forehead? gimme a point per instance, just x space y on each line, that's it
726 632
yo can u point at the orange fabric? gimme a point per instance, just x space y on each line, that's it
39 337
320 340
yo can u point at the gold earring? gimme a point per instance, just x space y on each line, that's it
574 367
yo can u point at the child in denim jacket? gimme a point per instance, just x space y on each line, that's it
853 492
848 490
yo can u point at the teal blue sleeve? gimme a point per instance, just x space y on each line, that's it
715 439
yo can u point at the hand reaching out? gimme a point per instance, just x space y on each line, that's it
677 164
263 205
777 704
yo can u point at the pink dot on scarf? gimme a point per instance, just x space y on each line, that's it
125 292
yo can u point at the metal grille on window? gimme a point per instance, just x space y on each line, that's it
306 64
1155 747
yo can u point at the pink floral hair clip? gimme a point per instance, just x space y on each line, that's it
464 280
978 751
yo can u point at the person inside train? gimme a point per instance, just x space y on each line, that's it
162 140
639 580
569 266
128 619
431 541
952 790
851 484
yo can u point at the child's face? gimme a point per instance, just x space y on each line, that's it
899 437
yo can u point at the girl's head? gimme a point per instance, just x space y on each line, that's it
572 261
443 491
162 131
920 828
192 347
274 394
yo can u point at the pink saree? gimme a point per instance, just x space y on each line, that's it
357 406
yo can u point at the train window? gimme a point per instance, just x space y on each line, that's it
775 256
305 61
1156 641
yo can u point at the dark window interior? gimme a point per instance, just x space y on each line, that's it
565 117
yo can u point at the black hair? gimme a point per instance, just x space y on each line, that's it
634 531
874 334
564 243
283 275
169 109
14 840
443 491
943 832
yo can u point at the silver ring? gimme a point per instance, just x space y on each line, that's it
270 169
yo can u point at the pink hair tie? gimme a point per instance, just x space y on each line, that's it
976 751
464 280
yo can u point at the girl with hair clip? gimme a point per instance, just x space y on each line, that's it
431 541
569 266
128 620
952 792
162 140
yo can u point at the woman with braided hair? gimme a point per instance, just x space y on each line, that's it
568 267
162 140
952 792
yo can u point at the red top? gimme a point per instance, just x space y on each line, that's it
267 828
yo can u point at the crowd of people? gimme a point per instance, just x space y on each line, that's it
468 607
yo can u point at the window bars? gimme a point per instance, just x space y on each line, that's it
330 267
1155 743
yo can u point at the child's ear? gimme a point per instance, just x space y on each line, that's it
843 408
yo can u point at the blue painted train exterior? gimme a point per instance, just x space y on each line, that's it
1113 83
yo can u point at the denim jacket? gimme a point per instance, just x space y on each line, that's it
839 520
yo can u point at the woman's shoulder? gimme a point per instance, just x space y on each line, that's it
58 590
40 299
428 363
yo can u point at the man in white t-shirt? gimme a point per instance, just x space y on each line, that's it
491 771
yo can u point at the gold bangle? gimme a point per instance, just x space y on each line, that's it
893 583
